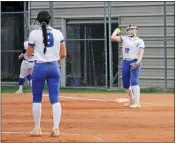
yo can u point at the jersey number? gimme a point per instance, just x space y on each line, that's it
127 50
50 40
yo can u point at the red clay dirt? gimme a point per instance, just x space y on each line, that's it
91 118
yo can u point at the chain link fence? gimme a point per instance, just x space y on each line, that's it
85 53
12 38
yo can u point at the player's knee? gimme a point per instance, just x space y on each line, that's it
126 85
29 77
54 99
21 81
134 82
37 99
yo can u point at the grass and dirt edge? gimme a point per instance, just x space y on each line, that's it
7 89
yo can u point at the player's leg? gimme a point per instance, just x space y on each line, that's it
29 78
135 86
53 82
30 70
23 71
38 81
126 81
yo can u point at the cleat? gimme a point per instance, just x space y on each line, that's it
135 106
19 91
55 132
129 103
36 132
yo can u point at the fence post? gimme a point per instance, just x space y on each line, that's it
52 13
110 47
105 46
25 20
29 11
165 46
63 62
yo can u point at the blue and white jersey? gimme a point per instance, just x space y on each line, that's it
131 47
31 58
55 37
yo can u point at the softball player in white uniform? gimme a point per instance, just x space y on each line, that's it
26 68
133 51
49 48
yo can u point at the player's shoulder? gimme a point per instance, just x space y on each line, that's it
124 37
26 42
33 32
140 39
56 31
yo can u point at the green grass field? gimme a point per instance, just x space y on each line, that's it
86 90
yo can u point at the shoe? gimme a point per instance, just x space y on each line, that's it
19 91
36 132
135 105
55 132
129 103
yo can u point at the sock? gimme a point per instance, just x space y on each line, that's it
29 77
136 91
31 83
56 115
36 109
20 87
20 83
130 93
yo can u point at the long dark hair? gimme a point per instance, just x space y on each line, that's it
44 18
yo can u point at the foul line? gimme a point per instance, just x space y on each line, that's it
102 100
46 133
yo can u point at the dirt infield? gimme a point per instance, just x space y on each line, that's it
91 118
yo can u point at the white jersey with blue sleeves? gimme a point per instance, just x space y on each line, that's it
55 37
131 47
31 58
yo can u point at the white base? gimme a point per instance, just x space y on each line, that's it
122 100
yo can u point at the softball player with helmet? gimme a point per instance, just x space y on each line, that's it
25 69
133 51
49 47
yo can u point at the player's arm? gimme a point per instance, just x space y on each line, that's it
29 50
63 51
31 44
140 57
115 36
22 54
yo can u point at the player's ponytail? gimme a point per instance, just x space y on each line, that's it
45 35
44 19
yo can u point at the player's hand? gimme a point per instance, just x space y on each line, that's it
20 56
134 66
